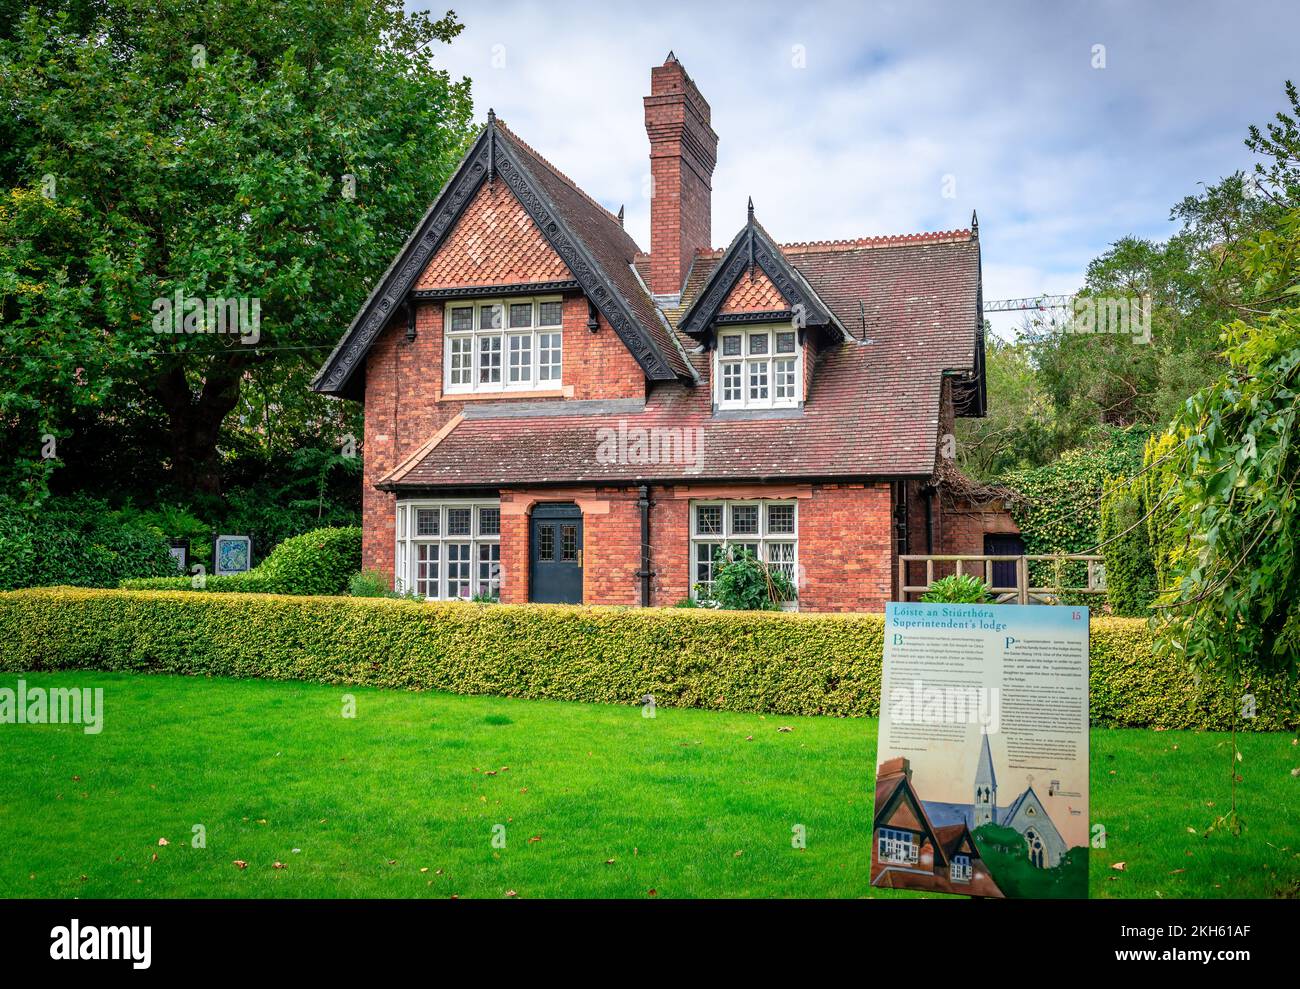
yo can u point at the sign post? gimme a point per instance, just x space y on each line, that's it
982 768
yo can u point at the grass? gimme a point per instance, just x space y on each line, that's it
595 801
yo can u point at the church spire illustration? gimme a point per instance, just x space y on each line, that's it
986 787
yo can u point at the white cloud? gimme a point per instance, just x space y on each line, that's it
1059 158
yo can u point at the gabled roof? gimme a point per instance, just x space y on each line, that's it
592 242
752 248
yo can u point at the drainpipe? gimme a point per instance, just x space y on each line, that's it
643 503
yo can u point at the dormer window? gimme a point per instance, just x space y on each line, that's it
497 345
757 367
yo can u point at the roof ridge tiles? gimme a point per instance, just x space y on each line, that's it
958 236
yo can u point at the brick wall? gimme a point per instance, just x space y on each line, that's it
405 406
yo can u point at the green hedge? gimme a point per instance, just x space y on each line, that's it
78 541
1130 574
317 562
770 662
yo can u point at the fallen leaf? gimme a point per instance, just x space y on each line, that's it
163 842
511 892
749 738
785 728
240 864
392 861
1177 871
1296 771
653 892
739 853
1119 866
1191 831
534 838
425 869
83 879
277 865
437 872
76 779
155 857
610 861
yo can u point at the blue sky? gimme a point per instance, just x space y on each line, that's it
847 119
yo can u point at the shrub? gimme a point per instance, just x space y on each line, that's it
769 662
1130 574
958 589
318 562
745 583
76 541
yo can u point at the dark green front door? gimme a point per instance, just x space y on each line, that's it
555 555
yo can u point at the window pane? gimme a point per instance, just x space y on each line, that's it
458 564
758 343
461 351
780 556
785 342
489 521
489 569
785 379
462 318
708 520
549 357
546 543
426 570
489 317
489 360
758 381
521 358
549 313
731 382
426 522
704 557
521 314
744 519
458 521
568 543
780 519
731 346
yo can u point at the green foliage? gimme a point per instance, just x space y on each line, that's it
1130 574
1020 429
219 150
369 584
76 541
319 562
1232 597
1061 513
754 661
957 589
742 582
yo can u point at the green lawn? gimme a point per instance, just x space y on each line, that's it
402 799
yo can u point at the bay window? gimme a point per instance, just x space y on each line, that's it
767 529
448 550
497 345
757 367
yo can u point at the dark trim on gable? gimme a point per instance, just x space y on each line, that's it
771 316
490 153
491 291
752 247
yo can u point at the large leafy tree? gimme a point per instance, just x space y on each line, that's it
230 149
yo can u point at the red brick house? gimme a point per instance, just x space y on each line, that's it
552 414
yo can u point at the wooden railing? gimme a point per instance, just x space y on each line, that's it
1021 592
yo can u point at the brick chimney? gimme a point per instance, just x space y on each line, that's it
683 151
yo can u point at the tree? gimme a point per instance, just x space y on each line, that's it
228 150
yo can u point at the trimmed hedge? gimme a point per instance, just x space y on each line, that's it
770 662
318 562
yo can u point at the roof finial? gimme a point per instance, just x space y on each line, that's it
974 223
492 116
620 216
671 57
492 146
751 207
